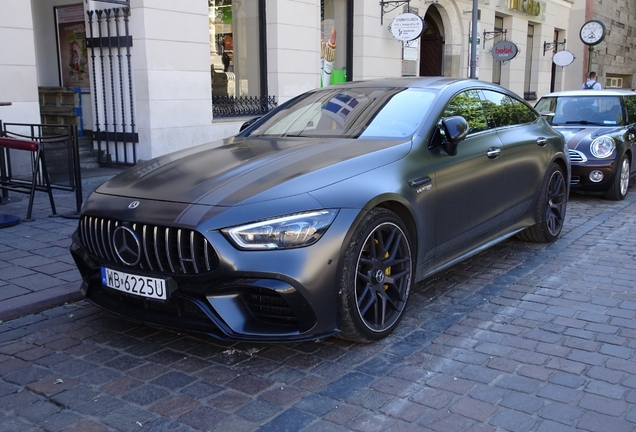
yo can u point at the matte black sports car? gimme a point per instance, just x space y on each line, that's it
318 218
599 127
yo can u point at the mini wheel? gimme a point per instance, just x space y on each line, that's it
620 184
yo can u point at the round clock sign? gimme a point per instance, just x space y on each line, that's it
592 32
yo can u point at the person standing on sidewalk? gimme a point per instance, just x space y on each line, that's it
591 83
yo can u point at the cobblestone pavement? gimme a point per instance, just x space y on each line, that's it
522 337
36 270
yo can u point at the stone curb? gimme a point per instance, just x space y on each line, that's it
39 301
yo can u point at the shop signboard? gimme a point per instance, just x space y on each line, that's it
504 51
406 27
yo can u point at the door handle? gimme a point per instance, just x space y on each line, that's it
493 152
542 141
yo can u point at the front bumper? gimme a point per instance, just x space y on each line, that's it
580 179
258 296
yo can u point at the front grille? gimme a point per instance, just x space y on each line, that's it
175 251
577 156
268 306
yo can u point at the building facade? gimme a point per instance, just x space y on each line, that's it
161 75
614 58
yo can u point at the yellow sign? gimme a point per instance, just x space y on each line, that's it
531 7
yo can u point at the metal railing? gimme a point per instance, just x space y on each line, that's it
60 145
230 106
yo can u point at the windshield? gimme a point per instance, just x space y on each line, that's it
595 110
342 112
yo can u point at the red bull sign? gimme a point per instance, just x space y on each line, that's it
504 51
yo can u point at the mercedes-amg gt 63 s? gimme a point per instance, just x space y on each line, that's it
318 218
599 127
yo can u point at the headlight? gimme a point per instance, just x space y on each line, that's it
285 232
602 147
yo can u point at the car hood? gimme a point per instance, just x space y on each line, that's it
575 135
244 170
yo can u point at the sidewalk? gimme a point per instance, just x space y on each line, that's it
36 268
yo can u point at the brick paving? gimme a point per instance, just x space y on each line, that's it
36 269
521 337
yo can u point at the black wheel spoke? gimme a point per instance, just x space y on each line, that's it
366 299
554 213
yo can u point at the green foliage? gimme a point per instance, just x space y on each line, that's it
468 105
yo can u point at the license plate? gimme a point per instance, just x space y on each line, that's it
142 286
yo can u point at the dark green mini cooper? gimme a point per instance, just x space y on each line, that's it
600 130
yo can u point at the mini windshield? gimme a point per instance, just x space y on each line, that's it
342 112
575 110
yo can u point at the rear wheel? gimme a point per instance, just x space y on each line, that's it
550 208
376 278
618 189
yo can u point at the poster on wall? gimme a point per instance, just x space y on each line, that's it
71 46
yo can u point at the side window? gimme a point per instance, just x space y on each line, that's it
499 109
468 105
630 107
525 113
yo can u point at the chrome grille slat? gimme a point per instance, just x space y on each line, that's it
167 245
180 251
577 156
155 240
101 240
168 250
193 254
145 246
92 232
206 256
110 229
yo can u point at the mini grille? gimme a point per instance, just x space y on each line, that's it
576 156
163 249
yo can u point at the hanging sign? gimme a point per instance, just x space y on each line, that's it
407 27
504 51
563 58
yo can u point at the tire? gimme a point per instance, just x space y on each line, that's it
620 184
550 208
375 278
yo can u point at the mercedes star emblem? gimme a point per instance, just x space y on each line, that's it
127 245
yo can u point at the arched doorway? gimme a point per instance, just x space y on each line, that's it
432 45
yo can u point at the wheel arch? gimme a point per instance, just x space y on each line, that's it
397 206
406 217
563 164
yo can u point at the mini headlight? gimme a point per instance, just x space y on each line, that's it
602 147
285 232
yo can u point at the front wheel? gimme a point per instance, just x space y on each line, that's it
376 278
618 189
550 208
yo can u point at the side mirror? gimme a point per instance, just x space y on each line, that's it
454 130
